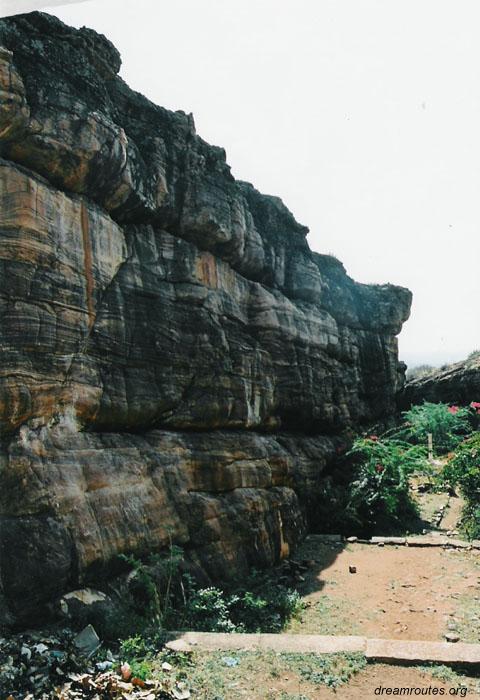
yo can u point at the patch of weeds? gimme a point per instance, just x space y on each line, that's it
442 673
458 677
210 675
468 619
156 596
137 652
331 670
329 616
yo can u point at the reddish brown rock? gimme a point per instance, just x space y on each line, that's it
175 361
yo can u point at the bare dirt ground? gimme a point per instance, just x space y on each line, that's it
389 592
396 592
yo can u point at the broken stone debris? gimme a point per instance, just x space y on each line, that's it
61 666
87 641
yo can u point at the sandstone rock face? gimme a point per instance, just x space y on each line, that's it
175 361
458 384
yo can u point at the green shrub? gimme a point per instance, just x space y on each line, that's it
463 470
447 424
259 605
207 610
264 606
159 597
380 499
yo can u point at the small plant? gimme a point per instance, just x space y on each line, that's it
331 670
151 584
380 498
463 470
139 654
208 610
448 425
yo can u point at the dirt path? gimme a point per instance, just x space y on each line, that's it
396 592
440 511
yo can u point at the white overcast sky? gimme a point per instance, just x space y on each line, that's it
363 115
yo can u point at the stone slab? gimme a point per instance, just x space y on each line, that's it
458 544
297 643
388 540
393 651
381 650
313 643
427 541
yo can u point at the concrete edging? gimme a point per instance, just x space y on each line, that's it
418 541
389 651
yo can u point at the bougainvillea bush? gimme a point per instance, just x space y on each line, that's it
380 499
448 425
463 470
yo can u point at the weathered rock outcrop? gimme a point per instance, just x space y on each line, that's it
458 383
176 362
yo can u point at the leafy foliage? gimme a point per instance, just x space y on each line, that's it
259 605
464 470
136 651
159 596
447 424
379 495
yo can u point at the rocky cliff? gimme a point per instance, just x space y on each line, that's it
175 360
458 383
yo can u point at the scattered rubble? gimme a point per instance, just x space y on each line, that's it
87 641
63 666
452 637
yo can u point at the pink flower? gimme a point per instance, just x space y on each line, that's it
475 404
373 437
453 409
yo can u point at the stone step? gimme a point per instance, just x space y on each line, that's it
419 541
405 652
382 650
302 643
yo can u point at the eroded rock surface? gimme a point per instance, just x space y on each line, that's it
458 383
175 361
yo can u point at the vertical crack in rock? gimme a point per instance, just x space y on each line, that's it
88 265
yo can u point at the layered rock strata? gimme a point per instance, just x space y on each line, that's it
176 363
458 383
